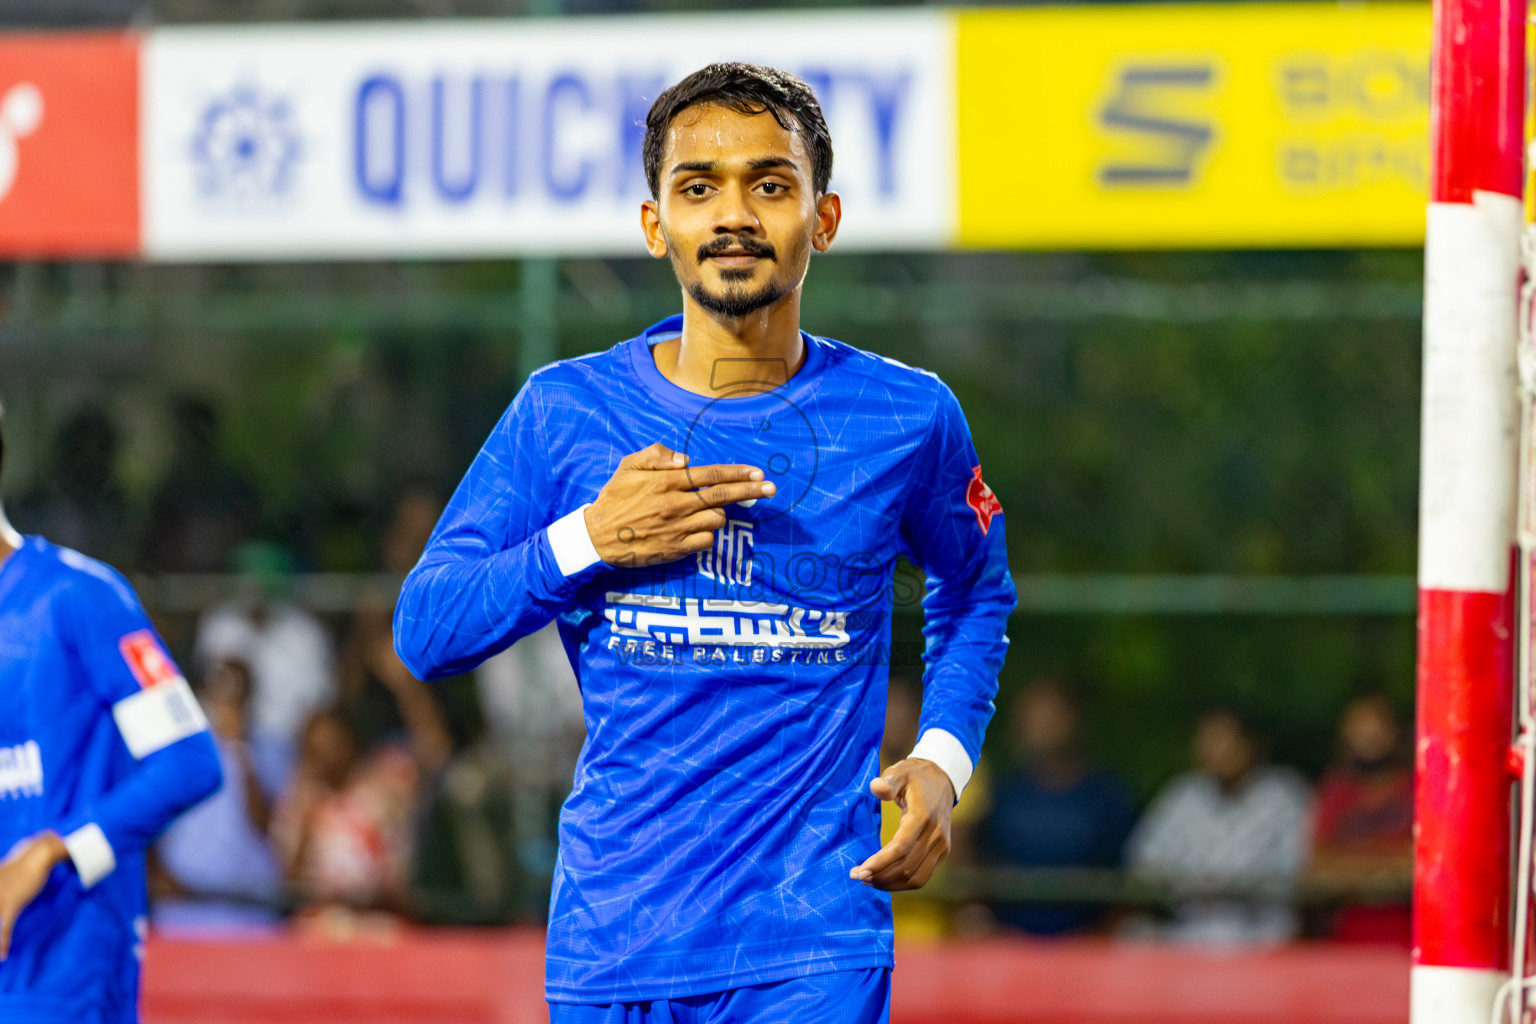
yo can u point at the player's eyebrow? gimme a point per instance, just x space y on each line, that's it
760 164
767 162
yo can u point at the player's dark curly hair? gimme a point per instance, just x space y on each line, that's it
747 89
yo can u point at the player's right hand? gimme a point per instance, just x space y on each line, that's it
657 508
23 874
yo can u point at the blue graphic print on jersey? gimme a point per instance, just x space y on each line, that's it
734 700
74 644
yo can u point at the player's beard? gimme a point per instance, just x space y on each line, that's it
737 299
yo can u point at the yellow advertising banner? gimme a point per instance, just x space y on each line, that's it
1193 126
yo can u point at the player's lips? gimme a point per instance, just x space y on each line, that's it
735 258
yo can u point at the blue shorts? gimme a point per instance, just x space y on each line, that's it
837 997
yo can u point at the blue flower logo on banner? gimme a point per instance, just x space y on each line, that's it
245 146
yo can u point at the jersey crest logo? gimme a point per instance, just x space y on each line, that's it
146 659
730 560
981 500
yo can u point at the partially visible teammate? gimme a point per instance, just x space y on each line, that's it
712 511
101 745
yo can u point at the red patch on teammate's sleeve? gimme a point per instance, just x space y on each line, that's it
982 501
146 659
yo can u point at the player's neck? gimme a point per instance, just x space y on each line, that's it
734 355
10 540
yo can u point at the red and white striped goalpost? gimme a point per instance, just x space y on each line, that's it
1467 504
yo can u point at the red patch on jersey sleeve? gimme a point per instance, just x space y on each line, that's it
981 500
146 659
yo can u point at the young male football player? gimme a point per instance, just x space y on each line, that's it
712 511
101 745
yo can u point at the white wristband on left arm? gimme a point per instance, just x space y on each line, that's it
944 750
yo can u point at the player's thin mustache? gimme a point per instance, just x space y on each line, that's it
724 243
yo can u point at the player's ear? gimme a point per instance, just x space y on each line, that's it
650 224
829 214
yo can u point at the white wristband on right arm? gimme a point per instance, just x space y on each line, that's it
572 545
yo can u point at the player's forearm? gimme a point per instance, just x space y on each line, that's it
430 743
258 809
965 631
456 610
956 711
129 816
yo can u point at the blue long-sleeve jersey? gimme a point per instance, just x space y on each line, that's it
102 742
734 700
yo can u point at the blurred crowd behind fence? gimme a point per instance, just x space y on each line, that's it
1211 457
1208 460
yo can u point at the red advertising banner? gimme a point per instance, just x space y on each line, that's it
69 144
491 976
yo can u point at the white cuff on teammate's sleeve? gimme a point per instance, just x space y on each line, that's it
944 750
91 853
573 547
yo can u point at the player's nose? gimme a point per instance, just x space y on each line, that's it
734 214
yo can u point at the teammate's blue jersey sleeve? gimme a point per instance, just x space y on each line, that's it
489 575
952 527
125 665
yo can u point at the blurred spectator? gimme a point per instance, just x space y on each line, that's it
344 828
532 705
80 504
288 650
368 650
204 507
217 871
1053 811
1363 830
1230 838
520 772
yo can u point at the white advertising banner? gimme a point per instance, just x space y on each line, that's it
509 137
